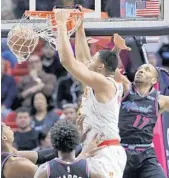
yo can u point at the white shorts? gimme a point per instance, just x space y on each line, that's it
110 162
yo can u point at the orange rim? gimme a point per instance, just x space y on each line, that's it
45 14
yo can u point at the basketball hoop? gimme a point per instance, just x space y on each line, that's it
24 37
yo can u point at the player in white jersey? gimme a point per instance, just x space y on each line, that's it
103 96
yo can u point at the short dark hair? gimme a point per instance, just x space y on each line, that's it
69 105
48 100
109 59
22 110
64 136
42 136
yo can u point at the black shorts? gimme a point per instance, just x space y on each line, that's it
143 164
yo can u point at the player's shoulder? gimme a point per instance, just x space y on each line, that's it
42 171
21 163
19 166
16 159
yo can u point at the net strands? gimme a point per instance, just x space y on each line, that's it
28 40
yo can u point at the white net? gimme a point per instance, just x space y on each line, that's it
24 37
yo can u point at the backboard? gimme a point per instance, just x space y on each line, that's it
105 17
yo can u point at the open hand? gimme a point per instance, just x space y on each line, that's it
93 147
120 42
79 123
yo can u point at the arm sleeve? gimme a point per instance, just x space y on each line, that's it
46 155
49 154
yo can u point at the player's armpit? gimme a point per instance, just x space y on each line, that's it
41 172
164 103
121 78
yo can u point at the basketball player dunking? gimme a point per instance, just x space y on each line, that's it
102 103
139 111
65 138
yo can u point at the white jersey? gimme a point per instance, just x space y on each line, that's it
102 117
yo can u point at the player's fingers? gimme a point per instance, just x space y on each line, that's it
80 7
65 13
128 48
116 34
95 138
84 135
100 148
80 119
115 37
56 10
88 129
95 150
77 121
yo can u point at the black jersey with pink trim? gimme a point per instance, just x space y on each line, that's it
57 168
4 158
138 116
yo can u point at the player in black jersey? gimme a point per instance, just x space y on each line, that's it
13 166
65 138
138 115
17 164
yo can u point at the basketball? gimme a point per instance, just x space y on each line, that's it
22 41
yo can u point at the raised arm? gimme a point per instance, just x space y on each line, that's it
81 45
123 79
120 45
73 66
164 103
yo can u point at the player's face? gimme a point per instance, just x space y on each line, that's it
146 74
7 133
23 120
94 63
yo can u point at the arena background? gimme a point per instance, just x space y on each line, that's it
145 48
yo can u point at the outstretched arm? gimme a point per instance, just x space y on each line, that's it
120 45
81 45
73 66
164 103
